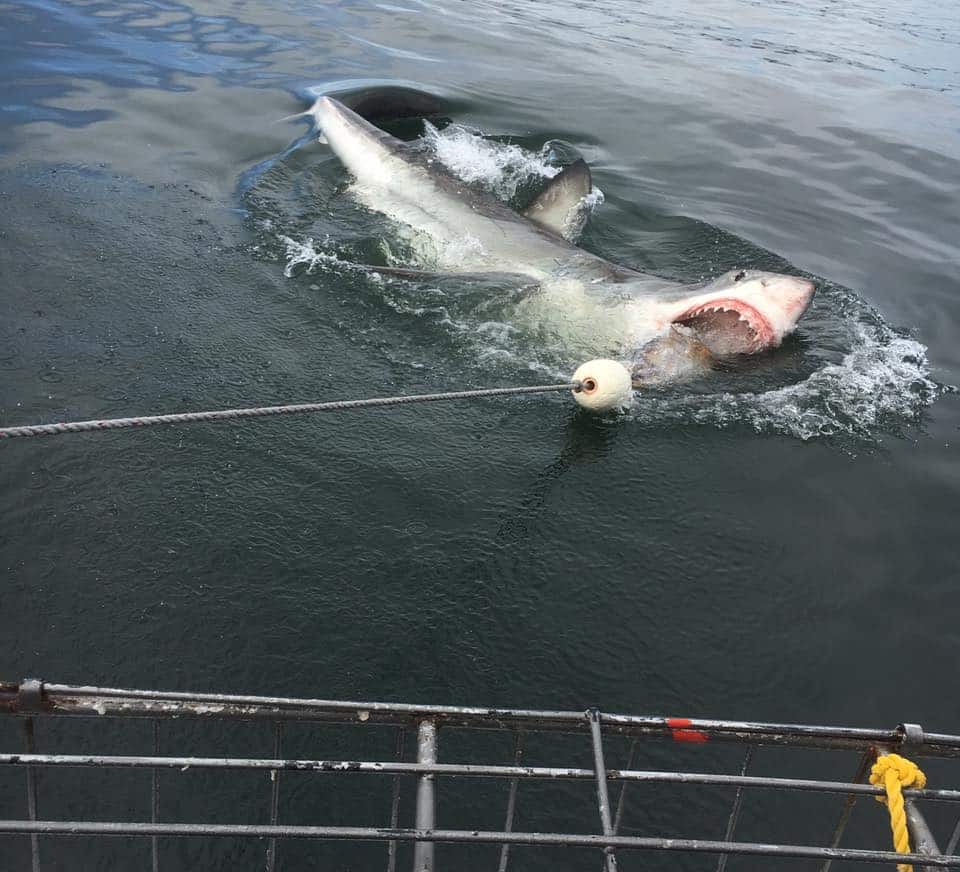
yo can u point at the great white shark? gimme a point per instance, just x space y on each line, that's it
662 329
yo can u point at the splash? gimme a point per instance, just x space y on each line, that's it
881 384
505 168
501 168
307 255
578 216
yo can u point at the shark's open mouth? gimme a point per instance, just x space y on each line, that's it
728 326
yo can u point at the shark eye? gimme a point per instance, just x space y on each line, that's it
740 275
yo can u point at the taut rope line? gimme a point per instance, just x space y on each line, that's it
263 411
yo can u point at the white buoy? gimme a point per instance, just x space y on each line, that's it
604 385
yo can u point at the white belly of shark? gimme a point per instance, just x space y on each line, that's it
664 330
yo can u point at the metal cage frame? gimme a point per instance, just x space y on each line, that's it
31 699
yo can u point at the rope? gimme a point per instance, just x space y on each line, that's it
262 411
893 773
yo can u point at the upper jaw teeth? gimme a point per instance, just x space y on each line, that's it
716 307
720 307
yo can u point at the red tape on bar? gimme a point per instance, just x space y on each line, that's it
680 727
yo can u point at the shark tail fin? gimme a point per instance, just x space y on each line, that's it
312 113
293 117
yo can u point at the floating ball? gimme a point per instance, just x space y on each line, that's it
605 385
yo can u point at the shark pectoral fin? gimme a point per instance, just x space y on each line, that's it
556 205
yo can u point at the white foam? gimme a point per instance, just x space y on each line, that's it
499 167
576 219
502 168
306 254
883 382
460 250
593 200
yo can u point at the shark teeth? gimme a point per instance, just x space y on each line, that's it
711 309
748 333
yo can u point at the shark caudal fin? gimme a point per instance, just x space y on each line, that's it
556 208
313 113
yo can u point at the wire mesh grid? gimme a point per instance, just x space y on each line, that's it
173 781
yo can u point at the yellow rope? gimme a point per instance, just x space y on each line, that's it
893 773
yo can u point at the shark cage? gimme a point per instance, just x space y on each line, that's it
97 778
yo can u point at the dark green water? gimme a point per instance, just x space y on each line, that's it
774 543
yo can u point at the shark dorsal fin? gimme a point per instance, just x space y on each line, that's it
553 206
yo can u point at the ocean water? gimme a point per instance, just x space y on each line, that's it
776 541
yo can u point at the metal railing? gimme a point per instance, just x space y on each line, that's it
31 700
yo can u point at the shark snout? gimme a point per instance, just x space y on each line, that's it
802 296
791 293
781 300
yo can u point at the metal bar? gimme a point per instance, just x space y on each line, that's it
921 837
621 800
735 809
585 840
395 804
467 770
32 794
954 838
426 817
274 796
865 762
117 702
603 798
155 799
511 803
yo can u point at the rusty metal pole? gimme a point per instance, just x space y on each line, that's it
866 761
603 797
32 795
921 837
155 799
920 834
735 809
274 796
395 804
511 803
426 797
